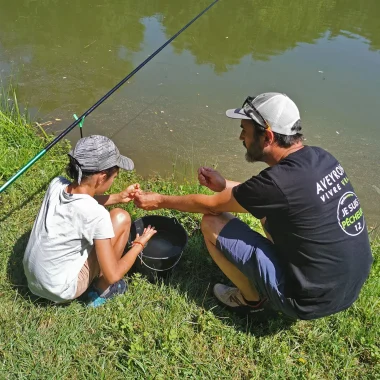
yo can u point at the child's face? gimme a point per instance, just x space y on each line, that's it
106 183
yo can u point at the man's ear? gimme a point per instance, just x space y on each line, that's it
269 137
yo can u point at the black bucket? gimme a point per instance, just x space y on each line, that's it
164 249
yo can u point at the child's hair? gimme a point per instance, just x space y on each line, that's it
72 172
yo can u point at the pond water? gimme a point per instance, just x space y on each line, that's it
325 54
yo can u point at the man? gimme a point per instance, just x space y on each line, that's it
317 255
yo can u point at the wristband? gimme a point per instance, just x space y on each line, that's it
137 242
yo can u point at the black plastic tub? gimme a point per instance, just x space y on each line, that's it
164 250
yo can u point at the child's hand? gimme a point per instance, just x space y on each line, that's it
146 235
129 193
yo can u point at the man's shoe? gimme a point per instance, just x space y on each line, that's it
233 299
95 300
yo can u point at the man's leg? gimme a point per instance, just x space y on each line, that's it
267 234
211 227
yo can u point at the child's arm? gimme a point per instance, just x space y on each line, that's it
124 196
112 268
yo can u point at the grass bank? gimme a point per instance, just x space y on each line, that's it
173 329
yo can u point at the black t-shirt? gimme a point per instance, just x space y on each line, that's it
318 228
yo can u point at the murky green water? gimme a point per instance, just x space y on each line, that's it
325 54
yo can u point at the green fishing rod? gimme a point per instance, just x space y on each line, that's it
98 103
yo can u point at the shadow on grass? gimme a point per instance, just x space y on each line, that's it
195 276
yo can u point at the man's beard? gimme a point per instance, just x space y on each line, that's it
255 152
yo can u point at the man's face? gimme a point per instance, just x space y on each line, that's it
254 146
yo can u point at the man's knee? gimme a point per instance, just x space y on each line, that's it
211 225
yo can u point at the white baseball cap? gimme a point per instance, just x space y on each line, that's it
271 110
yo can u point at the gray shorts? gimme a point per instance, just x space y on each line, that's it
256 257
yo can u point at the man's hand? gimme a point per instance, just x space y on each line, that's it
129 193
211 178
147 201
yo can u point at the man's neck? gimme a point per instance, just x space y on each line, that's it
278 153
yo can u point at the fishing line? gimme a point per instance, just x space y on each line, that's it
99 102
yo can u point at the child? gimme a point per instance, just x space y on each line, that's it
75 240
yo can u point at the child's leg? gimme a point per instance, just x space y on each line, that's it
121 222
89 271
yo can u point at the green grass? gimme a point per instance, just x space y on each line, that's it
172 329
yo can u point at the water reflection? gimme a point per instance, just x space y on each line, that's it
93 42
262 29
70 47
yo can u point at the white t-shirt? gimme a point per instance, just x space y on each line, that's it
61 240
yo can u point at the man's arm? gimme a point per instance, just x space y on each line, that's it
199 203
231 184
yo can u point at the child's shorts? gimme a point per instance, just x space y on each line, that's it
87 274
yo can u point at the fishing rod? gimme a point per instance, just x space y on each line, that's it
99 102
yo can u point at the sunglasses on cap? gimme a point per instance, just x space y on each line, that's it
251 108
